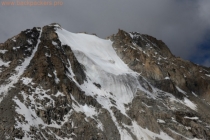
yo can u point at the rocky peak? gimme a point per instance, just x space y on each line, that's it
146 42
55 84
152 58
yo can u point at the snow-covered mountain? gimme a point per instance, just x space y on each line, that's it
57 85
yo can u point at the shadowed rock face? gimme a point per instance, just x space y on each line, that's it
46 91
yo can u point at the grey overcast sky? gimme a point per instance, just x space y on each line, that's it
184 25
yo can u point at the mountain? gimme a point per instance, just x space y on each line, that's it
58 85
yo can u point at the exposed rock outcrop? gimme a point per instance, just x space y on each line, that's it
50 89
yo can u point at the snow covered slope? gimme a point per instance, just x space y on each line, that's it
102 65
117 81
100 52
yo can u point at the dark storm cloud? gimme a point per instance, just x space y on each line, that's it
206 63
182 25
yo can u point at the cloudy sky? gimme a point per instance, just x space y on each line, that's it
184 25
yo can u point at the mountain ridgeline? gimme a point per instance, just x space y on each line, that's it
58 85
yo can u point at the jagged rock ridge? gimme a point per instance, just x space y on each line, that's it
55 84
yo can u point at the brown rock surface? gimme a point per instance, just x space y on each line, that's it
48 100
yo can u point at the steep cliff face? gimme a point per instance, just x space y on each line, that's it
153 59
55 84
